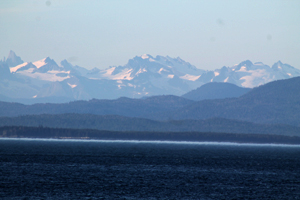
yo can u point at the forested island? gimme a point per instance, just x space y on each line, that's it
65 133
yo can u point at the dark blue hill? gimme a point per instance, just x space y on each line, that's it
275 102
215 90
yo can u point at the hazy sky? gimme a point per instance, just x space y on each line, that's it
100 33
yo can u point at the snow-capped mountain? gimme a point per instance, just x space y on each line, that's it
141 76
45 69
248 74
148 75
165 66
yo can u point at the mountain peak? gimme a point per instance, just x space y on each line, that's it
258 63
285 67
245 64
40 63
11 54
216 90
65 61
179 59
66 65
48 59
146 56
45 65
277 65
13 60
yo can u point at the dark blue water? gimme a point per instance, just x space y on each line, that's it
35 169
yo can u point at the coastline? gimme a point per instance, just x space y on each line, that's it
223 143
19 132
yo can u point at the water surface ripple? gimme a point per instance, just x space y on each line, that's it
37 169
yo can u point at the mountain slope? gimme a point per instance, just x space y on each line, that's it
275 102
122 106
216 90
146 75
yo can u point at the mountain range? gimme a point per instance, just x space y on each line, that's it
45 81
277 102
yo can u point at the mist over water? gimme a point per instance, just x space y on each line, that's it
75 169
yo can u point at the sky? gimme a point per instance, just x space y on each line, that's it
209 34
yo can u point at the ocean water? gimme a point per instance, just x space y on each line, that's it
74 169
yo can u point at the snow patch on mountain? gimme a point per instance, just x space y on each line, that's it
161 70
142 70
256 77
14 69
40 63
72 86
145 56
51 76
190 77
123 75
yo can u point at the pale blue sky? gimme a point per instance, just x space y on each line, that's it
208 34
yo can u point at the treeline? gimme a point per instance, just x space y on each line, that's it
46 132
121 123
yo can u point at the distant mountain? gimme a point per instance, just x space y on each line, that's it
12 59
248 74
42 80
216 90
275 102
146 75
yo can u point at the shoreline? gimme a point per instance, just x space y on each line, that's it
19 132
223 143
